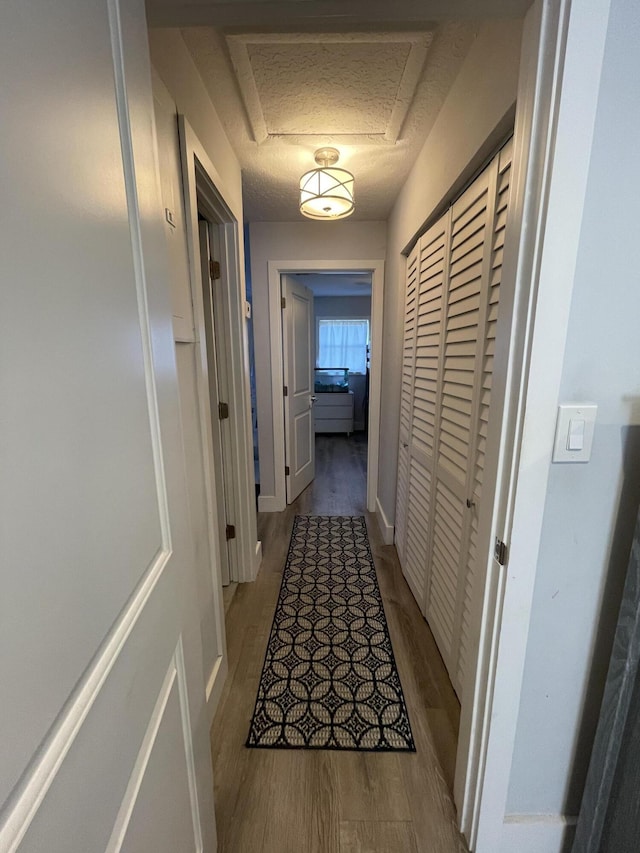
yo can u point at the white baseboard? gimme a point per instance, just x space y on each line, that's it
270 503
257 560
385 528
537 833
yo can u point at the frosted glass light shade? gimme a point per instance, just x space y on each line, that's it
326 193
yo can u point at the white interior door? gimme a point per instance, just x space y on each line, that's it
104 730
298 336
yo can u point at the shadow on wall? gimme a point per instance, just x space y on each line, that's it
612 595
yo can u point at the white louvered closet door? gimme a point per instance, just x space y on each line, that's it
408 350
463 329
420 441
453 283
468 570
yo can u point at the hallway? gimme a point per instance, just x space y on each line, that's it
280 801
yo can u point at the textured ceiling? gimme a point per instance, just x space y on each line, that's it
372 95
332 83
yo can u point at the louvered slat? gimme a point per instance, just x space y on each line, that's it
430 274
409 341
417 510
406 396
431 265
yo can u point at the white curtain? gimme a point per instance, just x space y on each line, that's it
343 343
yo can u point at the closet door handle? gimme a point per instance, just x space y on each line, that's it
470 503
405 444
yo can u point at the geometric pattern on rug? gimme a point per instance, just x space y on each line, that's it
329 679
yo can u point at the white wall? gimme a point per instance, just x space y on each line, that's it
178 88
476 115
590 509
294 241
345 307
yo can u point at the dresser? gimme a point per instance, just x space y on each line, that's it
334 412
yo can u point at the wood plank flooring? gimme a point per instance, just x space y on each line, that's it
297 801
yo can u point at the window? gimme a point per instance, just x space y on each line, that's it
343 343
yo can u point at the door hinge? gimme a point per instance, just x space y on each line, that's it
500 552
214 269
283 302
286 470
223 411
231 531
285 391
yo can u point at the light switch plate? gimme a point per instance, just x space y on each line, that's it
576 412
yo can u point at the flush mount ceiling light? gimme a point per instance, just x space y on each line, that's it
326 193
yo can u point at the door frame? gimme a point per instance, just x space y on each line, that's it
277 268
221 455
557 102
204 190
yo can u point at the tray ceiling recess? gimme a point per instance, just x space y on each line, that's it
354 86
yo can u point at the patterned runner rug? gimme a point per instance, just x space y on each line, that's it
330 679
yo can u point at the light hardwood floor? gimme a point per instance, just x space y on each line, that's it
315 801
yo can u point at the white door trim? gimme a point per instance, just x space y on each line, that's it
376 267
558 96
221 462
203 185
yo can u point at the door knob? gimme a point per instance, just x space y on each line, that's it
312 401
470 503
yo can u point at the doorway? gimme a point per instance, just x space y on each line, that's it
371 273
326 322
